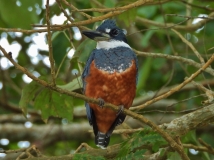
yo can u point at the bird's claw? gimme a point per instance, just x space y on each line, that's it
101 102
121 110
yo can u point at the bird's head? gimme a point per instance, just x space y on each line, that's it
108 35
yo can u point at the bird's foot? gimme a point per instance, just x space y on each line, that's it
101 102
121 110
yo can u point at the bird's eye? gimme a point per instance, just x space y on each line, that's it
114 32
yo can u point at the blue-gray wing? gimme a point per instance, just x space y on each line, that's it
85 73
89 113
87 67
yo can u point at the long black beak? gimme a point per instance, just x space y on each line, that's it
97 36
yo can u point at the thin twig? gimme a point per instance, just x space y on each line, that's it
61 64
167 31
65 13
208 92
81 146
198 148
190 17
76 9
189 11
177 88
209 147
13 151
23 30
141 118
29 153
68 17
62 59
171 57
190 28
98 4
99 18
167 26
123 131
184 100
190 45
196 6
174 112
51 59
123 8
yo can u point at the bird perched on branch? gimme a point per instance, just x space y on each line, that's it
110 75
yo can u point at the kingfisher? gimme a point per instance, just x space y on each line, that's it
110 75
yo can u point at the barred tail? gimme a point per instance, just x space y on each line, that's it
102 140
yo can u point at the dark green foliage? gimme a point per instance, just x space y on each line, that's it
155 74
173 156
13 19
147 11
49 102
55 104
128 17
133 146
84 49
59 51
137 155
73 85
87 157
28 94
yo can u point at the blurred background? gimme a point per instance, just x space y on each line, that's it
148 30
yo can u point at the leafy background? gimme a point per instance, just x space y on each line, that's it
155 74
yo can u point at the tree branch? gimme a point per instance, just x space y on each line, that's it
180 126
75 9
190 45
51 59
141 118
177 88
50 132
189 86
191 28
178 58
176 128
98 18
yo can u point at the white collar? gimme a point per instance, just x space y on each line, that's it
111 44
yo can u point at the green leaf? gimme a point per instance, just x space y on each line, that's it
51 103
162 151
109 3
144 74
82 53
190 137
138 139
84 50
28 93
147 11
139 154
146 37
158 143
173 156
151 138
73 85
128 16
158 63
55 34
59 51
26 11
76 64
87 157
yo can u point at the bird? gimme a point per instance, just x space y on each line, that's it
110 75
